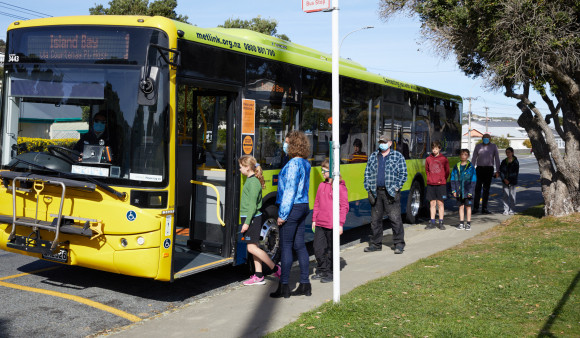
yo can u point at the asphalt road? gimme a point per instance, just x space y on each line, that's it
65 301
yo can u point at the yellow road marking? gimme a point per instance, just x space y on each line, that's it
29 273
77 299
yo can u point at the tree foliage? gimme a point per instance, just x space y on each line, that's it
519 45
257 24
164 8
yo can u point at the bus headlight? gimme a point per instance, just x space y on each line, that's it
123 242
140 240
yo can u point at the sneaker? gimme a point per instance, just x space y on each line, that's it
467 227
485 212
505 213
512 213
441 226
373 248
399 249
318 276
326 279
461 226
278 272
255 280
430 225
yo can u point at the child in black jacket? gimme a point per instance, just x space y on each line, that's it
508 171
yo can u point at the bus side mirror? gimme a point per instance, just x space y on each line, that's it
148 86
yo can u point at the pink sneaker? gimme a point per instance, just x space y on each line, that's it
254 280
278 272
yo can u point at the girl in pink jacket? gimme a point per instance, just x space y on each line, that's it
322 223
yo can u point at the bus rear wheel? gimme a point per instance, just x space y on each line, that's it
270 234
414 202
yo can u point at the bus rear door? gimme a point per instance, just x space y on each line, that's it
205 221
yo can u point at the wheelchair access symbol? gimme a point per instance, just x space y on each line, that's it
131 215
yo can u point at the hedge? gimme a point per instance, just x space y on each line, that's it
31 144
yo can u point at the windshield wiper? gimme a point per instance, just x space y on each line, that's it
120 195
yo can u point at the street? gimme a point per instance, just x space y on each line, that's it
41 298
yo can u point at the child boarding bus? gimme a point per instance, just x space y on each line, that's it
121 134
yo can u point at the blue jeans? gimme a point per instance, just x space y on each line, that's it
292 237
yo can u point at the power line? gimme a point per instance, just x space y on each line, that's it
22 9
10 15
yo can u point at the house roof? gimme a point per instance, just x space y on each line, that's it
474 133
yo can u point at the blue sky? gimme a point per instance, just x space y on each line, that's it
390 49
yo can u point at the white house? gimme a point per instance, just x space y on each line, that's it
508 129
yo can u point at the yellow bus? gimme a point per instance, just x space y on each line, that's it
121 134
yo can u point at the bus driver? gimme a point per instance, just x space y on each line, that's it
97 135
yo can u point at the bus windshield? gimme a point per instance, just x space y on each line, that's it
65 113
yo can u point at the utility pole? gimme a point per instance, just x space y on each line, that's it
336 151
469 119
486 131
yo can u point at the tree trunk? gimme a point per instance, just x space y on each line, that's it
559 173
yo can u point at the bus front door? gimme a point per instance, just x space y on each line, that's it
205 223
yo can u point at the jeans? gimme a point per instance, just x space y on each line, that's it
391 207
484 176
509 198
292 238
323 250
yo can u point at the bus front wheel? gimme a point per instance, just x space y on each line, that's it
270 234
414 202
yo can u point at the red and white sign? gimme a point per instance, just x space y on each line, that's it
309 6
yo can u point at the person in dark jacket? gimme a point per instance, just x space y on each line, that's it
98 134
508 171
463 178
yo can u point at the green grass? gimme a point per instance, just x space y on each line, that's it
517 279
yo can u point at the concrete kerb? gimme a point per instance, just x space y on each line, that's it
248 311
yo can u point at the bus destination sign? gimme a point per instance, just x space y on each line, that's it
79 46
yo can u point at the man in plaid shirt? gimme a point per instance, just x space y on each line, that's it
385 174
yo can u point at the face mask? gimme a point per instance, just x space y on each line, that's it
384 146
99 127
285 147
486 141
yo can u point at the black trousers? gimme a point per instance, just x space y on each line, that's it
484 176
387 205
323 250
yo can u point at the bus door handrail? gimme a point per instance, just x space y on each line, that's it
217 193
38 185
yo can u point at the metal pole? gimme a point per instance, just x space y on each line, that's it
336 149
486 129
469 119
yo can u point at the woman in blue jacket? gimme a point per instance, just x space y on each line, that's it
293 207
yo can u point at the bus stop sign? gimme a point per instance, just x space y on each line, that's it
310 6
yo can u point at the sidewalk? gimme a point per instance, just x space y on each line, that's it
248 311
